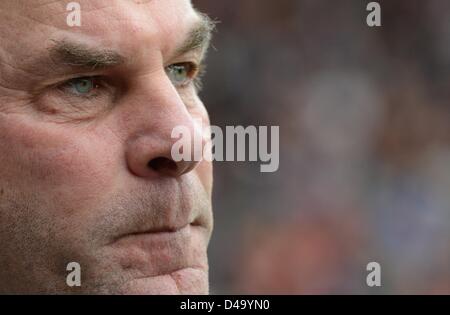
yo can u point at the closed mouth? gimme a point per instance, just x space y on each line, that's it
159 251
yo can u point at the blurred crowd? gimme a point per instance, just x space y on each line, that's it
364 146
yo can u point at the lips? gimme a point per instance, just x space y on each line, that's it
166 206
158 229
162 251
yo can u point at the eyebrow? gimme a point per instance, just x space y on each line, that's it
199 37
81 55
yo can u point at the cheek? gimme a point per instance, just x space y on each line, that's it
204 173
204 169
61 163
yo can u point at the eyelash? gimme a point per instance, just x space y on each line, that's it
195 74
98 83
198 80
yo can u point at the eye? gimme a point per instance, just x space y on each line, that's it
181 74
80 97
84 86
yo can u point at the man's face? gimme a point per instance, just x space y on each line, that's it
86 175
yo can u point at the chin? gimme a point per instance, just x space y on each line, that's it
186 281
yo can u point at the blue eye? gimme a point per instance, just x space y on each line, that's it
82 86
181 73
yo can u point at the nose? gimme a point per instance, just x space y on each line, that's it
156 112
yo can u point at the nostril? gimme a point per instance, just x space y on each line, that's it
163 165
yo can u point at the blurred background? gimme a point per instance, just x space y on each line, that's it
364 146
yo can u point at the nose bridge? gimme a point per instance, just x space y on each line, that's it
161 104
158 110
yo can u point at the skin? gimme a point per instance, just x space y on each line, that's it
75 179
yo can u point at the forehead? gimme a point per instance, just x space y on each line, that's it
124 24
